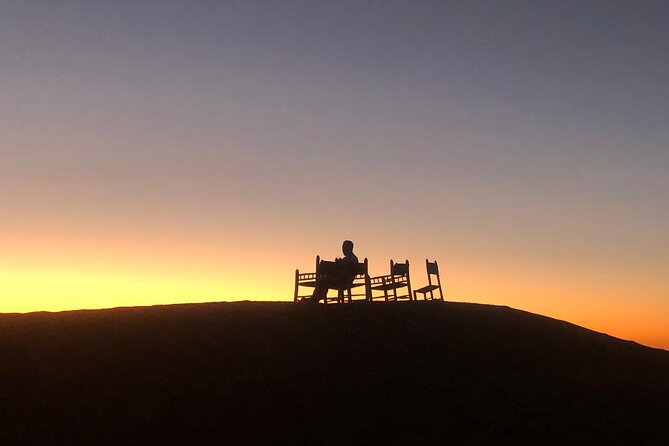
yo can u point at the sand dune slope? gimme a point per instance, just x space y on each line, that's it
251 372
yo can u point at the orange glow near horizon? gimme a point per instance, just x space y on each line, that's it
154 155
54 275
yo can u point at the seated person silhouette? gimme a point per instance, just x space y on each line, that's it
341 278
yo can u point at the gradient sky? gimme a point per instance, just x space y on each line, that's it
162 151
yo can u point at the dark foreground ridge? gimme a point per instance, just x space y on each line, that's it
273 373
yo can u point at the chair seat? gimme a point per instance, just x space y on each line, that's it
389 286
346 287
311 283
426 289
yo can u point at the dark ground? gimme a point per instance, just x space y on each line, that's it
250 372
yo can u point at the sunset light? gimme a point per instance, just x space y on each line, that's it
156 154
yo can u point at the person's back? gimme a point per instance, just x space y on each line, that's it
349 263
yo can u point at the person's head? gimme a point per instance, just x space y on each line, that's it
347 247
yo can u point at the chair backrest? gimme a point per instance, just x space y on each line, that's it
325 267
361 268
400 274
432 267
399 269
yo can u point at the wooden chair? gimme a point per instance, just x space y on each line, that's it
432 270
392 285
347 294
323 267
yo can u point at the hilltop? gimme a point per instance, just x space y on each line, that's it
252 372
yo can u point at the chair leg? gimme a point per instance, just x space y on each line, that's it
297 284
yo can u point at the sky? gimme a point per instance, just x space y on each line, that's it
157 152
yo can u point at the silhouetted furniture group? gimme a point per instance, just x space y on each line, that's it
392 287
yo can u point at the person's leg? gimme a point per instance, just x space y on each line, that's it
321 290
319 294
338 282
